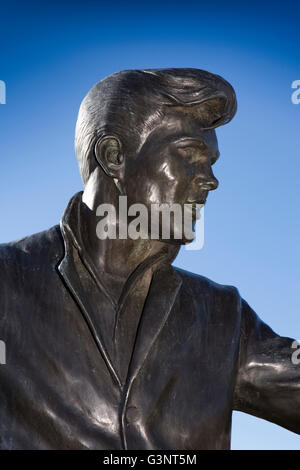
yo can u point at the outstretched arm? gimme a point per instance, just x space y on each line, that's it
268 380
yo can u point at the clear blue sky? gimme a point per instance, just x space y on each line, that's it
53 52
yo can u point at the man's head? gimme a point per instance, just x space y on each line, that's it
153 132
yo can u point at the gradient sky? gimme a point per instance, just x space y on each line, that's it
53 52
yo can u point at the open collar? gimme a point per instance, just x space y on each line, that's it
90 293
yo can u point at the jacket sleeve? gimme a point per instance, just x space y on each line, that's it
268 379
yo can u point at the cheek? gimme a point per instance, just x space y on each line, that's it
178 176
157 182
175 170
170 184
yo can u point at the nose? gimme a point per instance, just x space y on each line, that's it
208 183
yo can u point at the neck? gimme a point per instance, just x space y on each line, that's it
116 257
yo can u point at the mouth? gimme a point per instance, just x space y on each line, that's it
200 201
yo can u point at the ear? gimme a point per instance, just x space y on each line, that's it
108 152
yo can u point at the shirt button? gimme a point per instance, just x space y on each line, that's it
132 414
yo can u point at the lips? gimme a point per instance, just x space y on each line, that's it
201 199
194 204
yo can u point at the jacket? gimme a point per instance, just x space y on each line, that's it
200 353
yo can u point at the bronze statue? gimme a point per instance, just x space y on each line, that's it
109 346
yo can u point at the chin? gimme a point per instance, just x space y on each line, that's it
178 241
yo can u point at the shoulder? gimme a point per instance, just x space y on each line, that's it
197 284
219 302
41 248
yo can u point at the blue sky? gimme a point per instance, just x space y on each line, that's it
53 52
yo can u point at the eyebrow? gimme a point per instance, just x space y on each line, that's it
191 140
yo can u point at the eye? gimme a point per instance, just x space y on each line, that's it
189 151
193 154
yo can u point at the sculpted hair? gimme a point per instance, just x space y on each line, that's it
130 103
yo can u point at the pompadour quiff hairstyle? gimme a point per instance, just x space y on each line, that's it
130 103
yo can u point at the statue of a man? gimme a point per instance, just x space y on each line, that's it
107 345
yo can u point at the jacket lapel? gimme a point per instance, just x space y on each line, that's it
163 292
83 288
